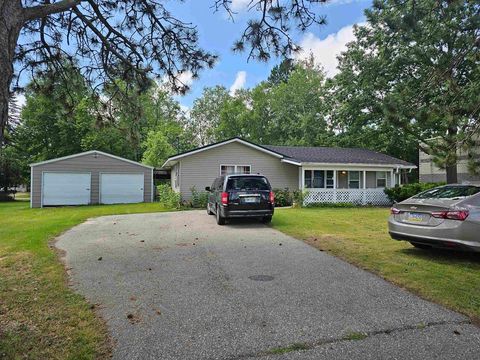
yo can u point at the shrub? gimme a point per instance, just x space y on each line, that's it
298 196
199 198
168 197
332 205
283 197
400 193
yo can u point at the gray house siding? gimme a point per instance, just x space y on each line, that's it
200 169
88 163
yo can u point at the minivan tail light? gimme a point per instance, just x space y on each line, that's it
271 197
224 198
451 215
394 211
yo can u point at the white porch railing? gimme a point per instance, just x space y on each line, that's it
354 196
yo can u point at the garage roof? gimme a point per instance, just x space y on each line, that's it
88 153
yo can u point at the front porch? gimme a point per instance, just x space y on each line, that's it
363 186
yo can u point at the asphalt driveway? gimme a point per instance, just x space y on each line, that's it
177 286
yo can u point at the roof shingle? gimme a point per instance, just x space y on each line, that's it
337 155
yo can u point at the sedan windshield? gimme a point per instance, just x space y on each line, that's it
448 192
248 183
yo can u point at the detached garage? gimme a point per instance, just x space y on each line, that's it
92 177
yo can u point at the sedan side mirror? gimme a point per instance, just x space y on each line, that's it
207 188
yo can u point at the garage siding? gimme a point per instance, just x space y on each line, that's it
201 169
94 164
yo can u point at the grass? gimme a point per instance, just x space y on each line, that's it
355 336
359 236
40 316
287 349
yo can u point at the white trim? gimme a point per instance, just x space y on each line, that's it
226 142
88 153
65 172
293 162
31 186
152 190
342 166
235 166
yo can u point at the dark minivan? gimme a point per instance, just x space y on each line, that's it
241 195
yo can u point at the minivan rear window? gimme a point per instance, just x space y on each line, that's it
448 192
248 183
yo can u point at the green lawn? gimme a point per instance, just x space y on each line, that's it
40 317
359 235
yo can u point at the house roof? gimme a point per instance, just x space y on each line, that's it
88 153
301 154
337 155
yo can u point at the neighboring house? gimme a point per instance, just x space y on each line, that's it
328 174
429 172
92 177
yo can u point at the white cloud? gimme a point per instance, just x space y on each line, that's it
239 82
239 5
21 100
325 51
183 79
186 78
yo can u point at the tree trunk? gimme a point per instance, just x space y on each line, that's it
451 174
10 25
451 165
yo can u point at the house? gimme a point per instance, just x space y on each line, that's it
91 177
327 174
430 172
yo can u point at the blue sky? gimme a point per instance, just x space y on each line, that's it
217 34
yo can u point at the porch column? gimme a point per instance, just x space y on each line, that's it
392 179
364 187
300 178
334 186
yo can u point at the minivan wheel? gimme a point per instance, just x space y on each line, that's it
421 246
267 219
220 218
209 212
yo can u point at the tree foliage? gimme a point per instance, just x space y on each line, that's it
413 73
130 39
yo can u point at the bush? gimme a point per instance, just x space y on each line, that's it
283 197
168 197
332 205
199 198
400 193
298 196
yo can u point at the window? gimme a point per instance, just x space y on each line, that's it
234 169
449 192
247 183
314 179
381 179
329 179
354 179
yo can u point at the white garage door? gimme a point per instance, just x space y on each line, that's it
121 188
66 188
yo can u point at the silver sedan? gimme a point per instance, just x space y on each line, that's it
444 217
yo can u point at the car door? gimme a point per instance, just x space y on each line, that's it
211 194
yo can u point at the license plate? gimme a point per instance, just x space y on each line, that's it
250 200
414 217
